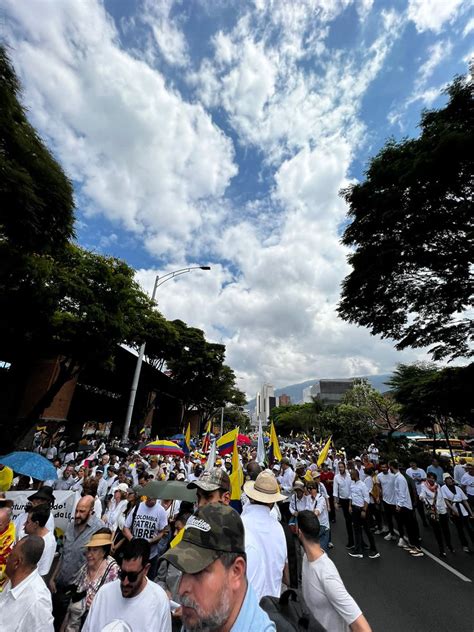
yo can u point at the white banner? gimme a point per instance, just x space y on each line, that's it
62 508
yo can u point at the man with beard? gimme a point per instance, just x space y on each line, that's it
77 534
134 600
214 591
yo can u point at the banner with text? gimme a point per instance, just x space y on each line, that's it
62 508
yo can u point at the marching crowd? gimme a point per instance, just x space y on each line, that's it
130 560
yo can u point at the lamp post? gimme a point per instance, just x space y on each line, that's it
138 367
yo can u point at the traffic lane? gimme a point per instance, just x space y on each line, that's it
399 592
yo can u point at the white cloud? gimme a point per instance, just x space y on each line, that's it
143 155
160 166
468 28
431 15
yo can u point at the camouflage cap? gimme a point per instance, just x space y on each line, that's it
212 530
211 480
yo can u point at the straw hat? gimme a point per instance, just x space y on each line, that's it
100 539
265 489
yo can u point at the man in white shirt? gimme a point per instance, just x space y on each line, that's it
265 542
418 475
133 599
35 525
358 508
459 471
342 497
387 486
25 603
323 590
404 513
467 483
43 498
149 522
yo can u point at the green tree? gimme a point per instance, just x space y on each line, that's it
411 235
97 306
379 409
296 418
431 397
36 199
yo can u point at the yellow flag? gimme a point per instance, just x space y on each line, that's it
187 438
275 453
237 476
177 538
324 452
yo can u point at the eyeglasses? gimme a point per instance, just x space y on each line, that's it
132 576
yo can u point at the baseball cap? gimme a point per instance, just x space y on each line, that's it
214 529
211 480
123 487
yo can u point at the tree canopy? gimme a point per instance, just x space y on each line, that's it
411 233
60 300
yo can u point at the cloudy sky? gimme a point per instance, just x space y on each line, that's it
220 132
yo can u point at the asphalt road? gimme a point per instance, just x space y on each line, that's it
400 593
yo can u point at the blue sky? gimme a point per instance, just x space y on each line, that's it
220 132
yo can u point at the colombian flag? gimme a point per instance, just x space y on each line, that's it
225 444
274 453
207 439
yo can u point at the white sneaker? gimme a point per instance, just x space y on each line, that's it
330 545
388 537
378 531
401 543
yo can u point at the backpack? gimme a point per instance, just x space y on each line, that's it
289 613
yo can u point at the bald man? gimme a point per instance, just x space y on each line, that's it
25 604
77 534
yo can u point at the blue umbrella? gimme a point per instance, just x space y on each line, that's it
30 464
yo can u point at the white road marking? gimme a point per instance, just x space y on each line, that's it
447 566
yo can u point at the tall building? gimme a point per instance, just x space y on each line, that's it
265 401
285 400
328 392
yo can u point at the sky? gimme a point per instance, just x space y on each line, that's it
215 132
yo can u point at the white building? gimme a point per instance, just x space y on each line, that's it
265 401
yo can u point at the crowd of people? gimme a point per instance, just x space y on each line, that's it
135 561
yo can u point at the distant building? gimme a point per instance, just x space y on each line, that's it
265 401
308 394
284 400
331 392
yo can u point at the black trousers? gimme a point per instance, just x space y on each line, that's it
441 531
360 525
406 519
344 503
462 526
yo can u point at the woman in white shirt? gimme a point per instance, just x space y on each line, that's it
459 509
317 503
433 500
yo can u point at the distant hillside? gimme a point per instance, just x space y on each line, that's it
295 391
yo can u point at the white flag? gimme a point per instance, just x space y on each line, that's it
260 445
211 459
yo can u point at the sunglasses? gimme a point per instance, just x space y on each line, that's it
131 575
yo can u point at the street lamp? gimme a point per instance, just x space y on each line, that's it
138 367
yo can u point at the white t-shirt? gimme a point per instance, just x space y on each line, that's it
467 481
319 504
148 522
418 476
149 610
265 546
20 521
387 483
326 595
456 498
48 554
